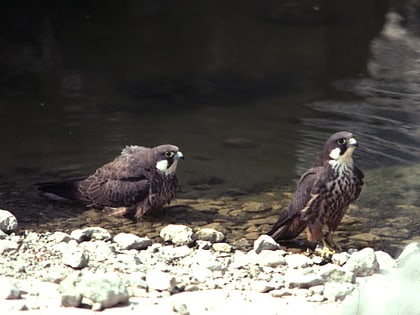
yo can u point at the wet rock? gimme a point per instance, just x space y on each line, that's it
253 206
365 237
409 251
160 281
340 258
177 234
103 290
8 222
337 291
131 241
363 263
222 247
91 233
75 257
298 261
8 289
385 261
210 235
265 242
8 246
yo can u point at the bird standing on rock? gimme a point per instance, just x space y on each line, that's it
323 194
138 181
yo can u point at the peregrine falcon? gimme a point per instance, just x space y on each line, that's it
138 181
323 194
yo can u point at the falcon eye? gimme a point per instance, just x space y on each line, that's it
169 154
341 141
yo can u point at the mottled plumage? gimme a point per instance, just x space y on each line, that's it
323 193
139 180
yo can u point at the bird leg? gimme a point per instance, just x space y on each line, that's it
331 242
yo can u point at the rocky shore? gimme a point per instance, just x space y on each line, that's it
195 273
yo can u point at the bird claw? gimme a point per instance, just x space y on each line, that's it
324 250
119 211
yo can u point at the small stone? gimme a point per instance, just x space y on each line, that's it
337 291
70 298
209 235
180 308
340 258
8 289
222 247
177 234
385 261
131 241
363 263
203 244
261 286
334 273
103 290
8 222
91 233
265 242
160 281
295 279
270 258
60 237
298 261
170 252
8 246
75 258
253 206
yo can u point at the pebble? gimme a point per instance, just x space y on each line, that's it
131 241
90 233
210 235
103 272
8 222
8 289
265 242
177 234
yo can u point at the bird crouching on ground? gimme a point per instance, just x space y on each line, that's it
323 194
138 181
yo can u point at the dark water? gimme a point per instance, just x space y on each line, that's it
248 91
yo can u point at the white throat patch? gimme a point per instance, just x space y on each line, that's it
335 153
162 165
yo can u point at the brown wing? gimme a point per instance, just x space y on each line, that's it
290 223
122 182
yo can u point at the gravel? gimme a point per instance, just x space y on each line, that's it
89 268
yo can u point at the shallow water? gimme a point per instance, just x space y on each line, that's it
247 132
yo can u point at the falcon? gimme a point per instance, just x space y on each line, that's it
323 194
138 181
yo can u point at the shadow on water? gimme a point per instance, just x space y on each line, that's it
249 98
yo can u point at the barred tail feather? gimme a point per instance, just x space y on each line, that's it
287 227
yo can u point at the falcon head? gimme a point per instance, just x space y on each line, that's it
338 149
167 157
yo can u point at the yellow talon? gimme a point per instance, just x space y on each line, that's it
326 251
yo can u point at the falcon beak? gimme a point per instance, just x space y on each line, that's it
352 142
179 156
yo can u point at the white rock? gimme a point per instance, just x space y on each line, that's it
131 241
295 279
298 261
203 244
91 233
177 234
363 263
222 247
160 281
385 261
337 291
8 289
210 235
410 250
99 251
8 222
265 242
75 258
103 290
334 273
270 258
171 252
60 237
8 246
340 258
